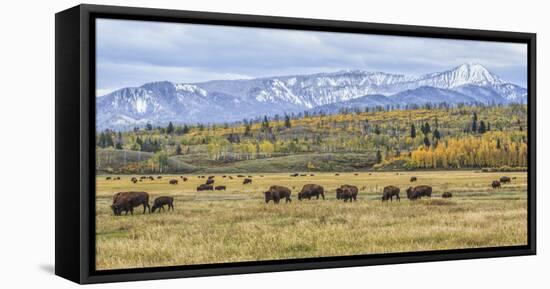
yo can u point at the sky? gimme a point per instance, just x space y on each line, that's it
131 53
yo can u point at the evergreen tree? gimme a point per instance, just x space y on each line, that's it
149 126
481 129
377 130
178 150
474 122
247 131
413 131
170 128
378 156
427 141
426 128
185 129
287 121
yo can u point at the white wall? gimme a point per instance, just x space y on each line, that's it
27 143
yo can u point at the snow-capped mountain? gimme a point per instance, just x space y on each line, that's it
232 100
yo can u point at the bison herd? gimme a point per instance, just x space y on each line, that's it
124 202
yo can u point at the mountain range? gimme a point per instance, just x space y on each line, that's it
232 100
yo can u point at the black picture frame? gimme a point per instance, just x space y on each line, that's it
75 138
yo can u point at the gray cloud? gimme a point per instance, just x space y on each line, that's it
130 53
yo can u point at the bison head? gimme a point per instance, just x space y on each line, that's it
268 196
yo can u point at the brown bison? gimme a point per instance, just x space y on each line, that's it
151 178
311 190
220 188
211 177
126 201
134 180
247 181
209 181
505 180
230 177
447 195
413 179
295 175
173 182
184 179
347 192
240 176
419 192
389 192
276 193
205 187
159 177
107 178
495 185
161 201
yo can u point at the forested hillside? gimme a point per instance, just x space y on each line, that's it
423 138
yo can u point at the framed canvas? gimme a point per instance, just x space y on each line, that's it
195 144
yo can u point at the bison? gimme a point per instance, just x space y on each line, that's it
505 180
184 179
209 181
205 187
230 177
161 201
159 177
107 178
173 182
389 192
295 175
240 176
247 181
495 185
447 195
276 193
220 188
151 178
419 192
211 177
134 180
311 190
347 192
126 201
413 179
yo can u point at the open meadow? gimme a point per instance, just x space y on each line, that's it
237 225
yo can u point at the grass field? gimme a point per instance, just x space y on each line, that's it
236 225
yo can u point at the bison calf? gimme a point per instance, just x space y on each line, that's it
160 202
495 185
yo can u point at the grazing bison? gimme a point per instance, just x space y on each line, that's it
295 175
220 188
224 176
419 192
142 177
209 181
159 177
413 179
151 178
134 180
205 187
117 178
211 177
311 175
161 201
495 185
336 174
347 192
247 181
356 174
389 192
184 179
505 180
230 177
303 175
447 195
240 176
173 182
311 190
276 193
107 178
126 201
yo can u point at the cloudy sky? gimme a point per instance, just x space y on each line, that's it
131 53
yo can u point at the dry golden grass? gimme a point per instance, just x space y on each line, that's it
236 225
